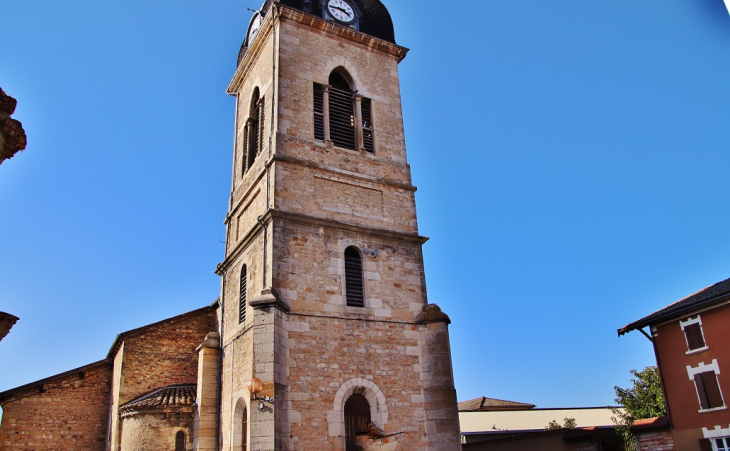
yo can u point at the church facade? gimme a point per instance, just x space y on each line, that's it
322 337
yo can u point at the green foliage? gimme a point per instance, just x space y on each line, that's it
568 423
645 399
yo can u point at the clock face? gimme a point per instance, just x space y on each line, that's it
253 29
341 11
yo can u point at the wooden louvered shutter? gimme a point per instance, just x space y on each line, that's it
708 390
367 124
714 397
353 278
242 298
318 111
694 336
342 119
261 113
357 417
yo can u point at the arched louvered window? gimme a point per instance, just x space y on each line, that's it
353 278
242 297
180 441
357 417
341 115
253 134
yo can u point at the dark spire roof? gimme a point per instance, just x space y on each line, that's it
375 19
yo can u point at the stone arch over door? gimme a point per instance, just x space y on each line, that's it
239 426
371 392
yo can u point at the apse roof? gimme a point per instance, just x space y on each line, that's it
163 398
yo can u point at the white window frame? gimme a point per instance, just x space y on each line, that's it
689 322
702 368
718 433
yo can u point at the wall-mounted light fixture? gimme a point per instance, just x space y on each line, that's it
255 386
371 252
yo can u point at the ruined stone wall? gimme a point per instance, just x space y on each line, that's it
69 413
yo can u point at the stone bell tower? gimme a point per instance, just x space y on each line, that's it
323 286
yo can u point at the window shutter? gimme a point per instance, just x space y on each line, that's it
244 162
367 124
318 112
694 336
714 397
353 278
242 299
342 119
701 391
259 125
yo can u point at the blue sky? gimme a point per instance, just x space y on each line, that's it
571 160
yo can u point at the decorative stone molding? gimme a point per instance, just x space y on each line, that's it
269 298
432 314
363 387
717 432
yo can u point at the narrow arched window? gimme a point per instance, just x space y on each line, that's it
353 278
180 441
253 135
242 298
357 417
342 114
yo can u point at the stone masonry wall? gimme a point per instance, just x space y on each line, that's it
164 355
65 414
156 431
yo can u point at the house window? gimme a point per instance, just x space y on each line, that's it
707 385
341 115
254 131
353 278
694 335
357 417
180 441
242 297
722 444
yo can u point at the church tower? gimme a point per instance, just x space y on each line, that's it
327 339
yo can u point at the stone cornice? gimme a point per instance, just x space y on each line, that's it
339 31
279 12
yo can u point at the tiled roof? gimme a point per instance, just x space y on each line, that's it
163 398
484 403
651 423
709 296
500 421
